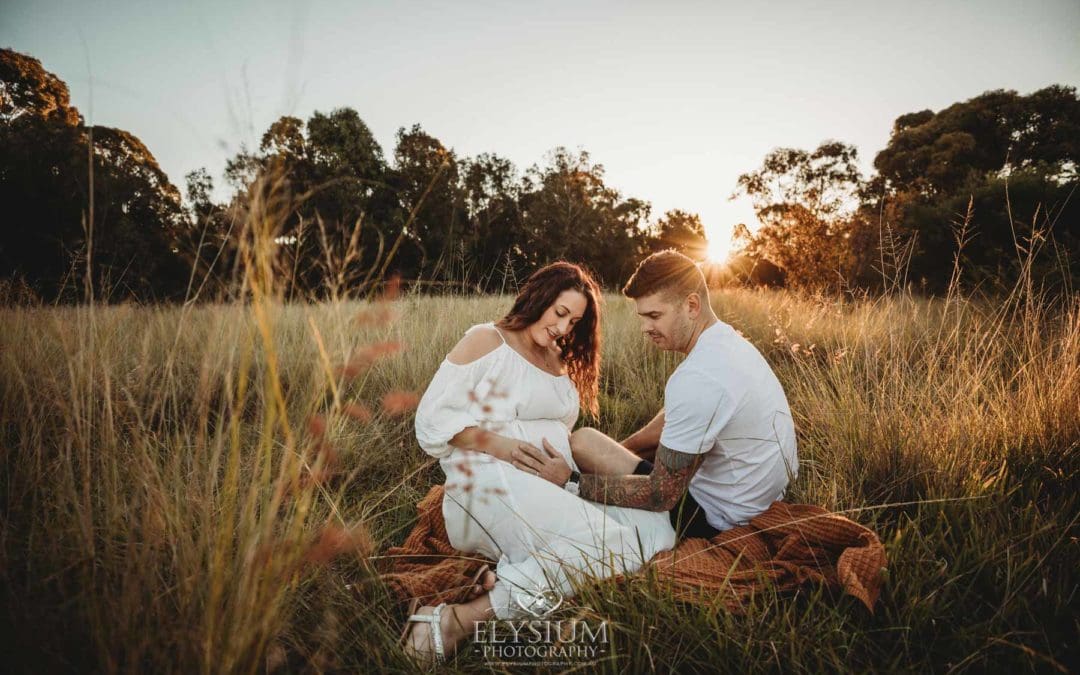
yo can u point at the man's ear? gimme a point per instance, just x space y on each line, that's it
693 305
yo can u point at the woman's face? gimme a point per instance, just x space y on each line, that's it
559 319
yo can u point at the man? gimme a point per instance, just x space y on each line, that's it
724 440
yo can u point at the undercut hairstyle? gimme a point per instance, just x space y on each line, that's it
670 273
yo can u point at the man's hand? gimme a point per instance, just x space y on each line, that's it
643 442
548 464
646 453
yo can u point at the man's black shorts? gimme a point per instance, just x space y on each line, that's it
687 517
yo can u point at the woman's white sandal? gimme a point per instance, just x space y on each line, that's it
435 619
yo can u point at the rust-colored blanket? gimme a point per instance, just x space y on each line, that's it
785 547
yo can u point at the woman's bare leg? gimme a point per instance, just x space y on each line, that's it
595 452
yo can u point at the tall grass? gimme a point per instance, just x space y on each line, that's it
190 489
164 508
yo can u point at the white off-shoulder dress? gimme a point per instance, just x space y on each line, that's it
540 534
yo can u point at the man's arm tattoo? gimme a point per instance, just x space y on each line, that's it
659 491
677 461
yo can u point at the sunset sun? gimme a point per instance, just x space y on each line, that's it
719 250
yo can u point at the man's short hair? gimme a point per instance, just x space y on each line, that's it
670 273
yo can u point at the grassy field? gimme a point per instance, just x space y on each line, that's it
188 489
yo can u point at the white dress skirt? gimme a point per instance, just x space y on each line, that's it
541 535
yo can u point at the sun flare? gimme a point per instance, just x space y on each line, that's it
719 250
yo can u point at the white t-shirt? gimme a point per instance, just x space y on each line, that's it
725 401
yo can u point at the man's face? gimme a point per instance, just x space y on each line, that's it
665 320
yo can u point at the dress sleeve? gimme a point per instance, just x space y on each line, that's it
452 403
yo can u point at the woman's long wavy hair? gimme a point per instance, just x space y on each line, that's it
581 346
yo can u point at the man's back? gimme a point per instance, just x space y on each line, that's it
724 400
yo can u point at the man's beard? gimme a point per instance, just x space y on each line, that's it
679 336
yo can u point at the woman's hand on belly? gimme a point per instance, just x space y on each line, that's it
548 463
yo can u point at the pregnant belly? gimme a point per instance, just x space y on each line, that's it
535 431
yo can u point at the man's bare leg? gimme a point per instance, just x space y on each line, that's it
595 452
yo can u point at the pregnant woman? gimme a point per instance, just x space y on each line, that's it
521 381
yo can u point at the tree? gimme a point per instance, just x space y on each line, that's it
936 163
46 189
425 182
209 245
493 238
1000 222
349 167
682 231
806 202
930 154
337 210
569 213
285 137
138 217
26 88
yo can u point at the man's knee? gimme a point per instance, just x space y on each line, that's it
583 446
596 452
583 438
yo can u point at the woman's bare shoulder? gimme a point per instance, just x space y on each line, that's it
477 343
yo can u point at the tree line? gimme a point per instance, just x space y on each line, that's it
984 189
340 207
88 211
432 217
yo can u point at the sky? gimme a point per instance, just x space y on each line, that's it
675 99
